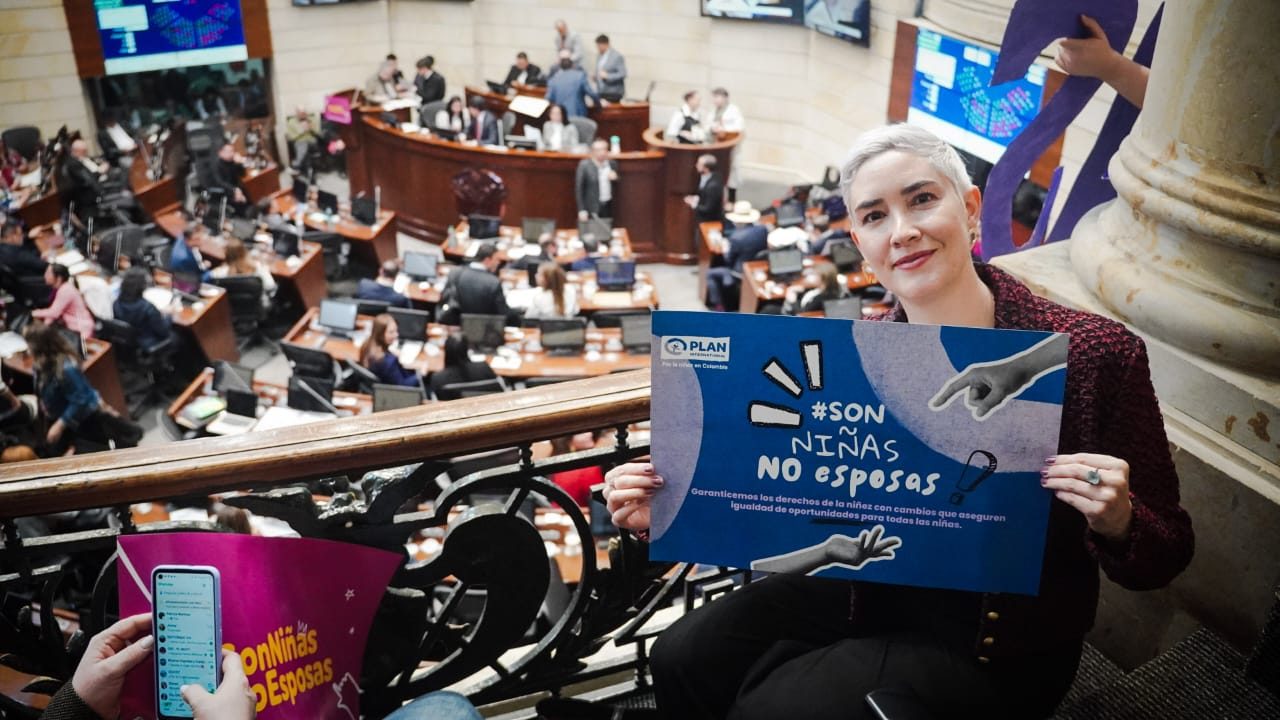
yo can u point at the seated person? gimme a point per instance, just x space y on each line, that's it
240 262
524 72
21 259
555 298
210 104
382 86
474 289
829 287
68 307
748 239
577 483
153 328
458 367
376 355
382 288
84 179
303 133
184 255
548 250
824 236
227 179
558 134
483 127
451 121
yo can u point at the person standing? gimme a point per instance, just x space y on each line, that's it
611 71
568 86
727 118
708 203
593 183
429 83
686 125
568 42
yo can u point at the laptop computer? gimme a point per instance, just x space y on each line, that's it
785 263
232 376
327 202
286 243
420 266
300 190
566 336
394 397
313 394
615 274
364 210
482 227
187 285
846 257
337 318
636 333
496 87
239 417
533 228
594 231
485 333
790 214
412 327
849 308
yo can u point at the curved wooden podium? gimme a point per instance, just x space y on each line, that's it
681 179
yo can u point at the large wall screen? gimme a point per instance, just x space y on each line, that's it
142 35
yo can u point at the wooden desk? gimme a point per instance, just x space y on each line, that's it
681 179
415 173
533 363
619 245
643 297
99 366
207 322
259 184
41 210
303 279
270 393
375 244
627 120
758 289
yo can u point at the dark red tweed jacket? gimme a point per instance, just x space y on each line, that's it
1110 408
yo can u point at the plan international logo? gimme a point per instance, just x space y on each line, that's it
695 349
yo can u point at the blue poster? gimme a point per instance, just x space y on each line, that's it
885 452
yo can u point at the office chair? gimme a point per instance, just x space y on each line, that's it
23 139
586 129
613 318
508 123
143 369
29 291
357 378
336 251
427 113
247 311
475 388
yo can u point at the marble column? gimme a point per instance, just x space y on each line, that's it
1189 251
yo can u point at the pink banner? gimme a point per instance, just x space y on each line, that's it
297 611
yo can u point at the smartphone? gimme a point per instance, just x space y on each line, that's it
186 619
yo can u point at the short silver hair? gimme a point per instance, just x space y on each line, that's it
903 138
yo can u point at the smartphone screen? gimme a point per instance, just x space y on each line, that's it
187 625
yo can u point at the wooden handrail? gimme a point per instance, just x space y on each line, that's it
276 457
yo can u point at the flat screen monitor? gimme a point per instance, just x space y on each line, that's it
566 336
615 274
310 393
951 95
533 228
496 87
364 210
410 324
301 188
845 19
483 226
327 202
636 332
849 308
286 243
419 265
790 214
394 397
75 340
786 261
790 12
232 376
594 231
485 333
846 256
242 402
142 35
338 316
185 282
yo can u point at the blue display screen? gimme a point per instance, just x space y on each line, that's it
951 96
186 632
141 35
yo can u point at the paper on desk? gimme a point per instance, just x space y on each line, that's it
402 283
505 362
612 298
528 105
400 103
520 297
160 297
280 417
472 249
11 343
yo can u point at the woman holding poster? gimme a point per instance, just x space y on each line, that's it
806 647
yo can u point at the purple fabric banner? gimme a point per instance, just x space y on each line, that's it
1093 186
1042 222
1033 24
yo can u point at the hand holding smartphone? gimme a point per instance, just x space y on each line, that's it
187 625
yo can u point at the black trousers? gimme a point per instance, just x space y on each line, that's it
784 647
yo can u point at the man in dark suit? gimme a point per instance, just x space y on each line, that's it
21 259
474 289
611 71
116 143
383 288
484 126
84 178
430 84
708 203
524 72
228 175
594 181
749 237
568 86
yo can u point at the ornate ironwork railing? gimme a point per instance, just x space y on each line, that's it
427 634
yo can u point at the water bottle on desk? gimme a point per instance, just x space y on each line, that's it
615 144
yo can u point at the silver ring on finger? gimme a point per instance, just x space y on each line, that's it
1093 477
